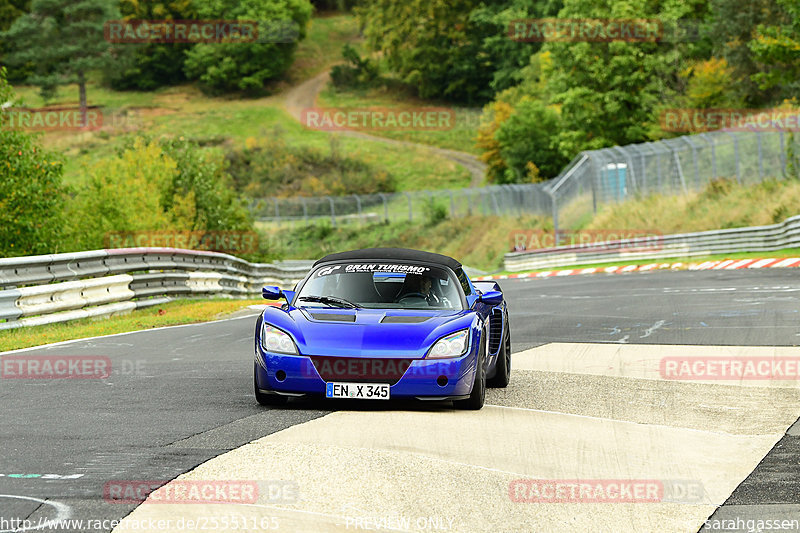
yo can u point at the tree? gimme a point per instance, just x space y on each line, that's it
246 66
430 45
11 10
530 137
506 57
31 192
608 92
733 25
64 39
149 66
777 48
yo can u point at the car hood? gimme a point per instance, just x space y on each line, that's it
402 333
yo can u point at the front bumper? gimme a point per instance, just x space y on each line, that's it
296 375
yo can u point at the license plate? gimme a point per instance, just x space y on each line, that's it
362 391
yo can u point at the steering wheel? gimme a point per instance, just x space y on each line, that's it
411 295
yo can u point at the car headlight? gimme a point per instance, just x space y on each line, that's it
453 345
275 340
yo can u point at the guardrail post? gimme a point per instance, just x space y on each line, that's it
305 208
410 208
277 211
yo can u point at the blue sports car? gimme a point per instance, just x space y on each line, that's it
384 323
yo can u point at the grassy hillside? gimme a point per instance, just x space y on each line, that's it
185 111
722 204
480 242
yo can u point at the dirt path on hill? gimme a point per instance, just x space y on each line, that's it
304 96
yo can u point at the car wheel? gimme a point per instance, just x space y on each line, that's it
274 400
503 369
478 395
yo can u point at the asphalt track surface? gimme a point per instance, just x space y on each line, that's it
180 397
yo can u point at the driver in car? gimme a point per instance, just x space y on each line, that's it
421 286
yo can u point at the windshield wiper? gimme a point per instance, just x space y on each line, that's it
330 300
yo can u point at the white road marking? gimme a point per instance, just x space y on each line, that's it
63 512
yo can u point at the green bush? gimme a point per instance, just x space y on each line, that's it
358 73
162 185
271 167
530 135
246 66
31 191
434 211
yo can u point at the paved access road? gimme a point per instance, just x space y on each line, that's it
585 403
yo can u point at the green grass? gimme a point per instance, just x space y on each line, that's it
185 111
322 47
170 314
477 241
461 137
721 204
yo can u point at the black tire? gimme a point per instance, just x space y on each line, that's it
502 374
274 400
478 395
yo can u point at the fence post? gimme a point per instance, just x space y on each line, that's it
305 208
385 207
760 157
713 145
694 158
783 153
277 211
452 204
333 211
678 164
555 215
410 208
358 203
736 153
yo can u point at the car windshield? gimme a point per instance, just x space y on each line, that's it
381 286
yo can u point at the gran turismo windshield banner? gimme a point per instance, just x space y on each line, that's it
372 267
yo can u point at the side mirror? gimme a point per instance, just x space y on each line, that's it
271 293
275 293
492 297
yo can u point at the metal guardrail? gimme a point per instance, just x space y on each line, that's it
62 287
726 241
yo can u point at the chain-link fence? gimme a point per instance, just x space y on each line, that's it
594 178
411 206
673 167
